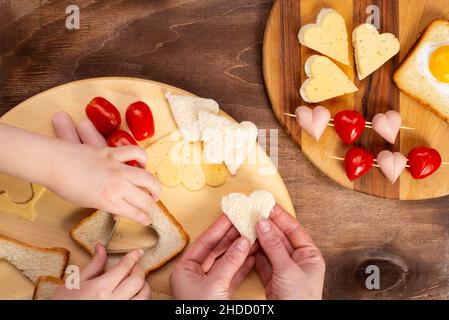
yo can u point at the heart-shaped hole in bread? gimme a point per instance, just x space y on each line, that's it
128 235
99 227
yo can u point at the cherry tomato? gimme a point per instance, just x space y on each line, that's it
140 120
122 138
423 162
357 162
104 115
349 125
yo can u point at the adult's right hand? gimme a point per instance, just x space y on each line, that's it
291 267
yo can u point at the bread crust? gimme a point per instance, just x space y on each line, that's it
404 62
72 233
181 230
40 280
64 252
175 222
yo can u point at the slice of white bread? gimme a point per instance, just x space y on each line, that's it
371 49
244 212
98 228
325 80
185 110
34 262
327 36
226 141
46 287
413 76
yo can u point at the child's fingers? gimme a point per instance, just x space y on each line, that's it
138 198
145 179
129 153
64 127
96 266
144 294
89 134
126 210
121 270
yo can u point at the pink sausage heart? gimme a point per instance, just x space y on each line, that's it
387 125
314 122
391 164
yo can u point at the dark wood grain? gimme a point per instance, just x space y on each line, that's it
213 49
378 93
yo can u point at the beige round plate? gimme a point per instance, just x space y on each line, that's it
54 217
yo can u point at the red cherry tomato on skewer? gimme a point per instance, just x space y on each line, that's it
423 162
358 162
104 115
349 125
140 120
122 138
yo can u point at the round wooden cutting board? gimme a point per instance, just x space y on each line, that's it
283 62
54 217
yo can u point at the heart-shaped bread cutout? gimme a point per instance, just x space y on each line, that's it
325 80
244 212
226 141
391 164
387 125
327 36
314 122
372 49
99 227
423 162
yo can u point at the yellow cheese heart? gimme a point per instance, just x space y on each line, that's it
372 49
326 80
327 36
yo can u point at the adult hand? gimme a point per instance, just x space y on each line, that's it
291 267
215 264
98 175
124 281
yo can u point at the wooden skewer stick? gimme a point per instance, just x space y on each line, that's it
368 124
375 160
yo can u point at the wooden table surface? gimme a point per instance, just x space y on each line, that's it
214 49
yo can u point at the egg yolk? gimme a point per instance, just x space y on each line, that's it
439 64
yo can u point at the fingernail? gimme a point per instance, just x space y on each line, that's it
141 252
264 225
243 244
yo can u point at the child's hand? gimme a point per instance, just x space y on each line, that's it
204 273
94 176
124 281
291 267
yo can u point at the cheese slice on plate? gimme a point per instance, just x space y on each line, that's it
327 36
185 110
326 80
372 49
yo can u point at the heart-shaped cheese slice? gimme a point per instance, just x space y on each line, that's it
327 36
372 49
244 212
326 80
